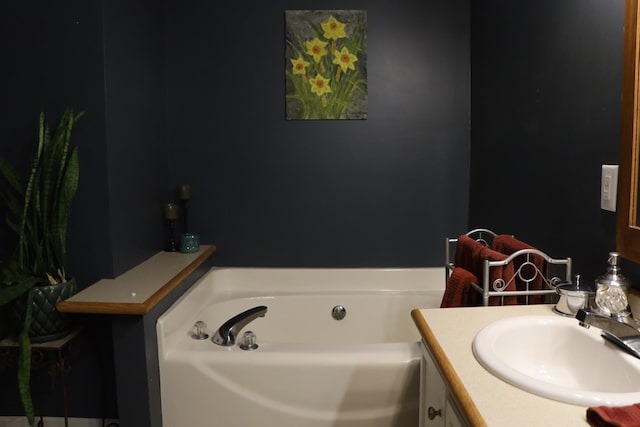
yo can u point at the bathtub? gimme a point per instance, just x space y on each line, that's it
309 370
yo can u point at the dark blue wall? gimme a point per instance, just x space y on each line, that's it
546 82
106 60
379 192
53 58
135 116
109 62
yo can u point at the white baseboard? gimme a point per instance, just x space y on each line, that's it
55 422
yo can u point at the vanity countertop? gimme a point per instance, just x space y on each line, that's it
485 399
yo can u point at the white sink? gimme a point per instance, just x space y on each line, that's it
555 357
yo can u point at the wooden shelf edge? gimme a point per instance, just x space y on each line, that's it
135 308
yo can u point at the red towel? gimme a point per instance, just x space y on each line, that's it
505 273
507 245
459 292
464 252
470 255
609 416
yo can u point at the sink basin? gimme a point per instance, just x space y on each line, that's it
555 357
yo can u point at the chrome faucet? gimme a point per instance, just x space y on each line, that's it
227 333
612 312
623 331
617 325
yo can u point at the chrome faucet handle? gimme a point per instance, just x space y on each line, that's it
198 332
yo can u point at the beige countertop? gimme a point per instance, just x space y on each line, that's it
138 290
485 399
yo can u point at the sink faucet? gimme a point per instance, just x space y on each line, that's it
620 330
617 325
227 333
612 312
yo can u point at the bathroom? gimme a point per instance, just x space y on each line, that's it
172 98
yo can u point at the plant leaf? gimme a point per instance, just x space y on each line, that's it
24 364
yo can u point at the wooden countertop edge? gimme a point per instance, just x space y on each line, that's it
135 308
467 406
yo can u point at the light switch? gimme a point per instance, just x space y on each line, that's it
609 187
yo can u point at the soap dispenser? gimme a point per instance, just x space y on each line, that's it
612 289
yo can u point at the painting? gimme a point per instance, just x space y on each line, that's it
326 64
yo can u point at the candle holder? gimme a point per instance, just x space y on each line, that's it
184 194
171 245
170 215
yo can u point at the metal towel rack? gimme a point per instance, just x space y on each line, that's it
558 270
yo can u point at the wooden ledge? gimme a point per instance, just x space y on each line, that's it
138 290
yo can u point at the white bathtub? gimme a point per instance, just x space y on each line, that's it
309 369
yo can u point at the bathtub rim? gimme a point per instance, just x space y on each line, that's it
175 317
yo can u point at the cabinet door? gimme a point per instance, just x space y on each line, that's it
432 393
453 417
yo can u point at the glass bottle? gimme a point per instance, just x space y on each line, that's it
612 289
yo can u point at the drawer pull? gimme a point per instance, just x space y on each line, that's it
432 412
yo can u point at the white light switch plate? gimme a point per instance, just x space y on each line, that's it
609 187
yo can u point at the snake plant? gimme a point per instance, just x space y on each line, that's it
38 210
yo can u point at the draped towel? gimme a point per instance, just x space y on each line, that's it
470 255
459 292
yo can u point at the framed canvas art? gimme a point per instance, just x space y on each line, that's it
326 64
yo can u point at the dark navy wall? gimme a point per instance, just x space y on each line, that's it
383 192
546 82
106 60
134 59
53 59
379 192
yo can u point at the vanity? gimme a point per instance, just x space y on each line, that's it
456 390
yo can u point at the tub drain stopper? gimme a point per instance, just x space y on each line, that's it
338 312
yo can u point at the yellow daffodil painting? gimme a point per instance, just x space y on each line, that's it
326 64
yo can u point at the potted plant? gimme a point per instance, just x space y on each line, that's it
34 279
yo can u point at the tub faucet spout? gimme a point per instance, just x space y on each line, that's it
227 333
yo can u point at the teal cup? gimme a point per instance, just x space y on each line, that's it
189 243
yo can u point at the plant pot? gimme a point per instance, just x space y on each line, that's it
47 323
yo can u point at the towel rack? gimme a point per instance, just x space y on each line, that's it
481 235
558 270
